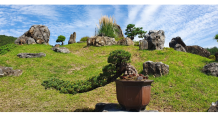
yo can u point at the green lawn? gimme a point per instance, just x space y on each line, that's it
185 88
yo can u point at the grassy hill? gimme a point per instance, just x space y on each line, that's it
6 40
185 88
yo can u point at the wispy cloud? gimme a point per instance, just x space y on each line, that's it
195 24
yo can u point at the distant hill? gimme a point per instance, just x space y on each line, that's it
6 40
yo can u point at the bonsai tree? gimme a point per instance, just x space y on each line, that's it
61 38
132 31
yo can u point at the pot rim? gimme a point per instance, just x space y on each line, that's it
134 81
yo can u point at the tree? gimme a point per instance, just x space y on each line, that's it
61 38
216 37
141 33
132 31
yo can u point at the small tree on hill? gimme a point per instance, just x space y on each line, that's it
61 38
132 31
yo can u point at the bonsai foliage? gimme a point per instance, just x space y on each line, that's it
132 31
107 27
119 57
61 38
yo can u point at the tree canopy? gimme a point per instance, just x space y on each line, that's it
61 38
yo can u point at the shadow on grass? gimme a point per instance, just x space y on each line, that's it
83 110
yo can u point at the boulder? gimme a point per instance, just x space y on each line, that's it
101 41
72 38
31 55
60 49
155 39
39 34
211 69
143 44
216 55
179 47
126 41
176 40
197 50
155 68
119 31
8 71
213 107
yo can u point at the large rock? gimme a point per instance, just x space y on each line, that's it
211 69
213 107
179 47
143 44
216 56
39 34
197 50
126 41
101 41
72 38
60 49
8 71
119 31
155 39
31 55
155 68
176 40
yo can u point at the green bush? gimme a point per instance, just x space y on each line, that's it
212 50
118 38
119 57
84 38
6 48
67 86
212 57
6 40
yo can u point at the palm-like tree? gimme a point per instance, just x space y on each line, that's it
216 37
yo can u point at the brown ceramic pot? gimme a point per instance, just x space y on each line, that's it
133 95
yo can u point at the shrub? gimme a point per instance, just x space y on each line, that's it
67 86
84 38
119 38
212 50
6 48
119 57
212 57
6 40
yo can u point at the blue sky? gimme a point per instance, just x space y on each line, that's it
195 24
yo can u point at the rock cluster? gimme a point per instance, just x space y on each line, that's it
179 47
211 69
37 34
72 38
155 68
101 41
126 41
8 71
31 55
176 40
60 49
154 40
119 30
198 51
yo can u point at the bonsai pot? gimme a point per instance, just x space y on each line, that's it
133 95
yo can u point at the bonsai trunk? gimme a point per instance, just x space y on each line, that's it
62 43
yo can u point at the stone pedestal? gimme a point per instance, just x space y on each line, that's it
113 107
